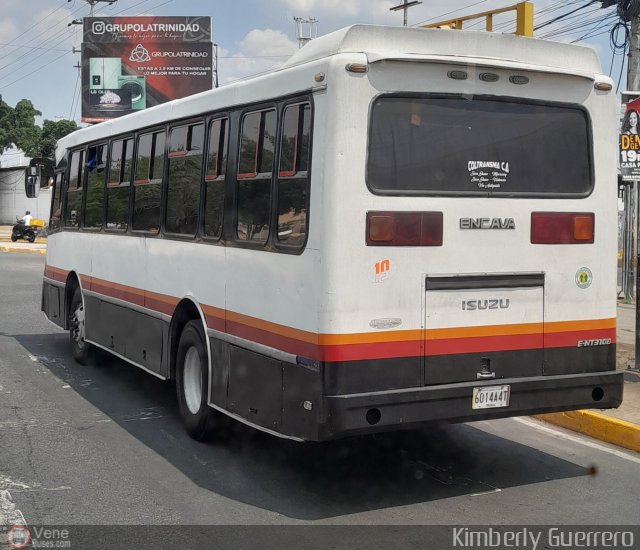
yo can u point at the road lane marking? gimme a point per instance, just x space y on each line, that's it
493 491
584 440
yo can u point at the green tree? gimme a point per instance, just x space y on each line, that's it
24 132
52 131
6 112
18 128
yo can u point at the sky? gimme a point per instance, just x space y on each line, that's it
253 36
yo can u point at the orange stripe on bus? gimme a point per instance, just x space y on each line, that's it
571 326
268 326
261 330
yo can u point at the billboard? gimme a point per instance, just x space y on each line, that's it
629 137
131 63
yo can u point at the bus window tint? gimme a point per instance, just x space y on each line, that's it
478 146
249 146
185 168
74 190
56 203
268 142
214 178
95 167
118 185
148 182
293 178
143 160
254 175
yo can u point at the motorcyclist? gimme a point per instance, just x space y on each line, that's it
27 218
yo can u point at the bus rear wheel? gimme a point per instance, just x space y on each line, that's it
83 352
192 383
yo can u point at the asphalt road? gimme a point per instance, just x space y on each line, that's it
104 445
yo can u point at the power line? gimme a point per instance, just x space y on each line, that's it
48 40
450 12
57 35
578 26
34 47
73 97
563 16
34 25
34 71
624 56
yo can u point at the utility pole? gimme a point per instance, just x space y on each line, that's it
633 85
215 64
93 3
633 68
406 4
306 29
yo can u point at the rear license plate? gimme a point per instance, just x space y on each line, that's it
490 397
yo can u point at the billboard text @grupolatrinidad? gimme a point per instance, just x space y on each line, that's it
131 63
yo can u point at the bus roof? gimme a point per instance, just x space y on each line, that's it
398 42
378 43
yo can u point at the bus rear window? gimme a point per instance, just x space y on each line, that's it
478 146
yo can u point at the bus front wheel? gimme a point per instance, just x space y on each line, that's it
192 382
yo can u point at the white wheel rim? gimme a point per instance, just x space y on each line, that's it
77 329
192 380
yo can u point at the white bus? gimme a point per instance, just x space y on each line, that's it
396 227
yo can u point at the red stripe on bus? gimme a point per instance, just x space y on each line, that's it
283 343
383 350
215 322
306 344
55 273
511 342
571 339
159 305
119 292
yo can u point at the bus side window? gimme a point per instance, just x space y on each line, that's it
147 182
214 177
293 175
74 191
118 184
95 168
255 170
56 202
186 144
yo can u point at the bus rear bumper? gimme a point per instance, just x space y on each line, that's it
411 407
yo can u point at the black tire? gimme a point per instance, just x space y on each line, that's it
14 237
31 236
83 352
198 418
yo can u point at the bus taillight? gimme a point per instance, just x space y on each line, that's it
562 227
404 229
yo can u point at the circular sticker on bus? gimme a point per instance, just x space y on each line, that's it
584 277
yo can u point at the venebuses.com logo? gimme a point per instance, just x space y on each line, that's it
18 536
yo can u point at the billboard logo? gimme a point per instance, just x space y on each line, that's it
98 27
139 54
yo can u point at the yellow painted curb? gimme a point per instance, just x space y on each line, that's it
602 427
8 240
23 250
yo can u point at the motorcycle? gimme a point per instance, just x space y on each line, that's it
22 231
